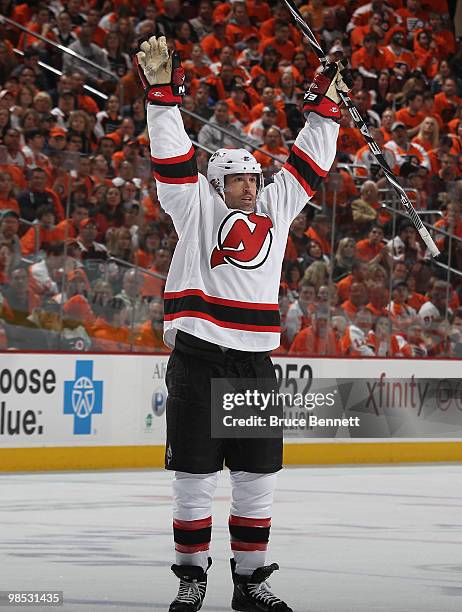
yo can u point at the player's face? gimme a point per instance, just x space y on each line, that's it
241 191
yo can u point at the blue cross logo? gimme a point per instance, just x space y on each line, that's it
83 397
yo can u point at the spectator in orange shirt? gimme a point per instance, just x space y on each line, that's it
349 137
412 17
258 10
239 25
378 300
269 99
42 233
447 102
388 118
280 41
183 40
357 298
317 339
370 248
269 66
319 231
374 26
7 199
443 38
281 14
110 332
369 60
150 334
149 243
213 43
415 300
84 102
424 51
359 273
153 285
272 144
397 57
236 104
412 115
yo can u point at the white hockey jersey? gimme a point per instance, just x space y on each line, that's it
224 276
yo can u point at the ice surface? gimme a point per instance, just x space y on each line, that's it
349 539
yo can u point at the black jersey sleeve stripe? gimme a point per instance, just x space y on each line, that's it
310 173
178 170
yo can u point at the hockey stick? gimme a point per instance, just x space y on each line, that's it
373 146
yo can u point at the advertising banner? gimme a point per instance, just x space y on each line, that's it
67 400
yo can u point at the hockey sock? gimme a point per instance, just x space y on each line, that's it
192 517
250 519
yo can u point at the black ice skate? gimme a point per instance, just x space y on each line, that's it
252 594
193 585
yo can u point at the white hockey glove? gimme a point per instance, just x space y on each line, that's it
160 72
322 97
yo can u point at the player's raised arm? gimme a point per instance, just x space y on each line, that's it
313 151
172 154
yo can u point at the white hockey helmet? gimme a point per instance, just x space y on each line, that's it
232 161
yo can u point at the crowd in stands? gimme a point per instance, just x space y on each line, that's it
84 245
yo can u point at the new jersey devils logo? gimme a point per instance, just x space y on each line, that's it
244 240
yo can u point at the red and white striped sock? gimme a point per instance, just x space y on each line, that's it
250 519
192 541
249 542
192 517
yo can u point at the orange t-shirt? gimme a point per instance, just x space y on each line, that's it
442 103
107 338
367 251
240 111
9 204
375 62
258 11
147 341
392 58
152 286
236 33
265 160
323 242
410 121
212 46
286 50
349 140
144 259
309 343
272 76
28 241
344 286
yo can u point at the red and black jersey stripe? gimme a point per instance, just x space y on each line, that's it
232 314
305 170
176 170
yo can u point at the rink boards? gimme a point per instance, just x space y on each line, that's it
93 411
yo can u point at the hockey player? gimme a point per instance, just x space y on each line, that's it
222 317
